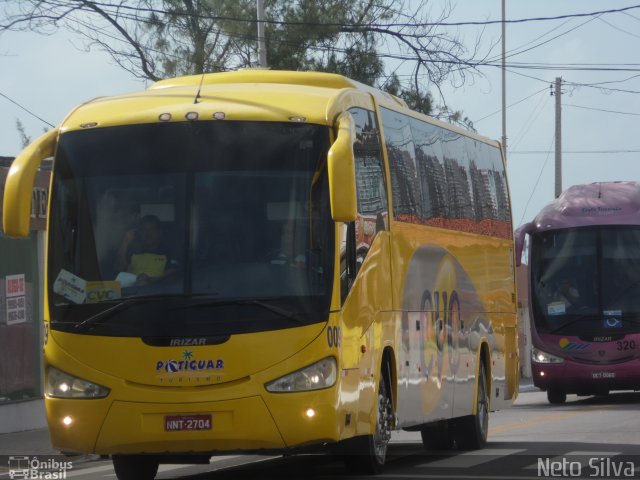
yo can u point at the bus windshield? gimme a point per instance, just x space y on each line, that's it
586 280
210 221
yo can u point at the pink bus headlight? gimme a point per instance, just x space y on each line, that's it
539 356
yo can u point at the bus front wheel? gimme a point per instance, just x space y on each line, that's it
556 396
135 467
369 453
471 432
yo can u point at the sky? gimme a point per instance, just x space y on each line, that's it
50 75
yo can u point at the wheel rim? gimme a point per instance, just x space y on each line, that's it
483 401
384 425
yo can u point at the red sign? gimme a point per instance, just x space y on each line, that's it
15 285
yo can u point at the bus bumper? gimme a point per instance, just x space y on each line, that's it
586 379
273 422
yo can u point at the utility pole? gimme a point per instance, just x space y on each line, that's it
558 94
504 87
262 47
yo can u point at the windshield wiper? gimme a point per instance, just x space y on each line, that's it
629 320
295 316
578 318
581 317
129 302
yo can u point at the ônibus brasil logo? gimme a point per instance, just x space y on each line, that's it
188 364
37 468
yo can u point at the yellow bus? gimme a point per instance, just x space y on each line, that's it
266 261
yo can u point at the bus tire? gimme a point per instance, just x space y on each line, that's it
368 454
438 437
471 431
556 396
135 467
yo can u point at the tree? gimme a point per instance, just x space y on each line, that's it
24 138
363 39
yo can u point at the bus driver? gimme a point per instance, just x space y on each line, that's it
144 253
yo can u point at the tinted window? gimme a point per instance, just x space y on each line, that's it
405 186
173 212
370 180
443 178
586 280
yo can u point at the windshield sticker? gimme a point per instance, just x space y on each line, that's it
556 308
565 344
70 286
102 291
126 279
612 322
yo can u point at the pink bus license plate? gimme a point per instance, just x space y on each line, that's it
173 423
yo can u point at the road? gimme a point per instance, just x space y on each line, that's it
589 437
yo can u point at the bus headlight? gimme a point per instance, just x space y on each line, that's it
63 385
317 376
539 356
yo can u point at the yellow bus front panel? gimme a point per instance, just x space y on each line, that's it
244 415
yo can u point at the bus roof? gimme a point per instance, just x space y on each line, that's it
280 96
600 203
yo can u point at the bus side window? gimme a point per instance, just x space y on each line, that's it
524 258
370 181
357 237
348 262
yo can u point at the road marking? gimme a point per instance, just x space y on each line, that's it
162 469
456 477
546 419
168 467
84 471
471 459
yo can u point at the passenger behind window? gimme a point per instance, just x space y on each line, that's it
145 253
567 294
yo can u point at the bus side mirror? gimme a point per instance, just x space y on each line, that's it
16 210
520 235
341 167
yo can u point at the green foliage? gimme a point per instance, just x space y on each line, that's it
361 39
24 138
418 101
193 37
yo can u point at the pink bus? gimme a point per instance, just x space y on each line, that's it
583 253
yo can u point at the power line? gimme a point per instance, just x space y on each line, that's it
600 109
359 25
587 85
629 15
512 105
604 83
569 68
548 152
514 51
606 89
537 152
531 66
573 65
618 28
533 117
513 54
27 110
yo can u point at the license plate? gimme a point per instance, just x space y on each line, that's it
175 423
